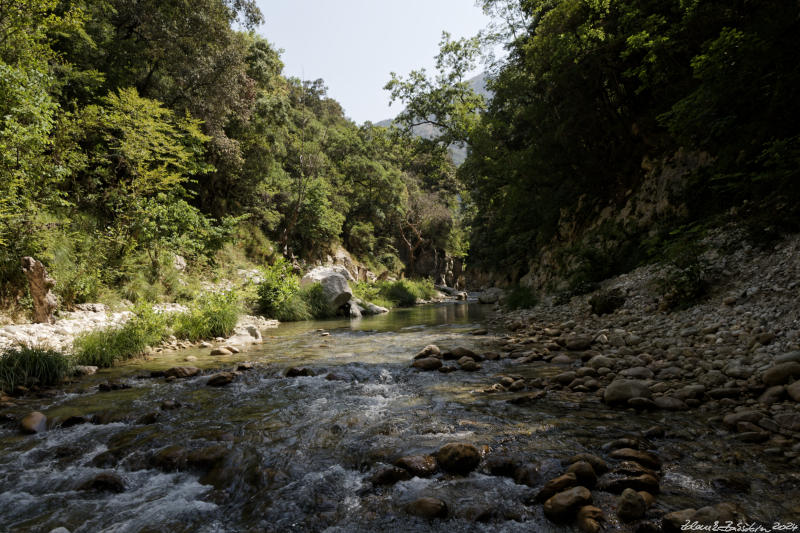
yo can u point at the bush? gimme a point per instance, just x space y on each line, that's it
28 366
108 346
210 316
606 302
276 294
371 292
403 293
520 297
684 287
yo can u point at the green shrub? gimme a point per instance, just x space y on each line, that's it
276 294
684 287
108 346
210 316
519 297
606 302
371 292
28 366
402 293
292 309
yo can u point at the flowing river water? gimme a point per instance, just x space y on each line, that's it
272 453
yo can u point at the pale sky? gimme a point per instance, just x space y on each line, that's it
354 44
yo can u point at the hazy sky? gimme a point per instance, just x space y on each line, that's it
354 44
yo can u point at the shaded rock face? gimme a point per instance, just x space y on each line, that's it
334 285
418 465
44 301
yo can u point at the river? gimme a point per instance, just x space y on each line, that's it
272 453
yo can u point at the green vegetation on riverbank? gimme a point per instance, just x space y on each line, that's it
26 366
400 293
128 140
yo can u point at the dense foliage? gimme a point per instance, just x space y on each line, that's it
593 94
127 139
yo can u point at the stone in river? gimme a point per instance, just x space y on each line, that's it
389 475
630 506
105 482
221 379
182 372
644 458
458 458
781 374
622 390
430 350
418 465
565 505
427 508
427 363
34 422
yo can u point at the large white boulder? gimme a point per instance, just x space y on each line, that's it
334 285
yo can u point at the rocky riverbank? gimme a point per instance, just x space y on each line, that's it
90 317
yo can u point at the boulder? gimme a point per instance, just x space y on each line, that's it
352 310
458 458
372 309
621 390
389 475
578 343
584 473
427 363
298 372
221 379
418 465
589 518
427 508
221 351
646 459
794 391
673 522
607 302
565 504
34 422
334 285
105 482
490 296
630 506
468 364
181 372
781 374
556 485
430 350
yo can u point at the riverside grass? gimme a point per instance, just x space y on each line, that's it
26 366
106 347
210 316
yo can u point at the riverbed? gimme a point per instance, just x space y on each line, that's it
275 453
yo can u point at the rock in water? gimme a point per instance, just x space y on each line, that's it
427 508
418 465
34 422
564 504
427 363
105 482
221 379
458 458
622 390
334 286
44 301
630 506
182 372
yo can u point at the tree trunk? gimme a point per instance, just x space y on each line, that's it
44 301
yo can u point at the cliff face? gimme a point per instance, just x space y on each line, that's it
596 240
